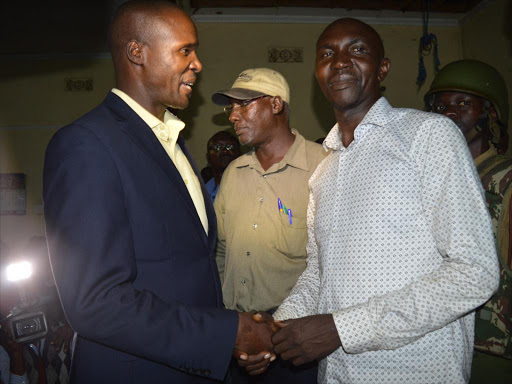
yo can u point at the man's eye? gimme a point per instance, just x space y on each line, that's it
358 49
438 108
326 54
186 51
464 103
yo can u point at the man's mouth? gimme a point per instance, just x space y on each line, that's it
188 84
341 82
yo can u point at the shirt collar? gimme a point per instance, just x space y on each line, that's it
167 130
295 156
378 115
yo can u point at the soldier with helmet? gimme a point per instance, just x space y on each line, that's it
474 95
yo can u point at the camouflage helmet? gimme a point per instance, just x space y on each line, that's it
474 77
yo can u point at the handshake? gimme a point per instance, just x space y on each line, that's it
260 338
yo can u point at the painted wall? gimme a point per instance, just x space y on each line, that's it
32 94
487 36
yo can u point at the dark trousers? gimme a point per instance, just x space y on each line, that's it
279 372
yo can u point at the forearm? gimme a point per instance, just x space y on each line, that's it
401 317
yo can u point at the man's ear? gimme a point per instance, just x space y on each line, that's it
492 112
383 69
134 51
277 104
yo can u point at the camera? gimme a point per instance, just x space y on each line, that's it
26 321
28 327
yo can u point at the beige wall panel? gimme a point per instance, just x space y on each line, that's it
32 93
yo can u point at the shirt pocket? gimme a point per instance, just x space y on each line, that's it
292 238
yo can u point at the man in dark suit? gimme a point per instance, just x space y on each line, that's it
131 230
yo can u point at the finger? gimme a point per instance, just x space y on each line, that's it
258 317
258 371
262 317
257 367
260 358
299 361
280 336
239 355
291 354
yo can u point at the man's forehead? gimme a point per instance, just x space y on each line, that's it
453 94
352 29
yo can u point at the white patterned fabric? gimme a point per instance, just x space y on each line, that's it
400 251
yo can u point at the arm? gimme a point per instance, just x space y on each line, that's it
454 207
93 260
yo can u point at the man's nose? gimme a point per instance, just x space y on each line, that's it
234 116
195 64
341 60
450 111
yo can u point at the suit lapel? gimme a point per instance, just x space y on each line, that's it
138 130
210 212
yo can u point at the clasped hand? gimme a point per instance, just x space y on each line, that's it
298 340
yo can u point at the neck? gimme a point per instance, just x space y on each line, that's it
349 118
136 91
273 152
217 175
478 146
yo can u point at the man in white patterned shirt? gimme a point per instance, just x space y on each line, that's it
400 248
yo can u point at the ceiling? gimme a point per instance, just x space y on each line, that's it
445 6
80 26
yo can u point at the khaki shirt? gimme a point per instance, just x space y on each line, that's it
260 255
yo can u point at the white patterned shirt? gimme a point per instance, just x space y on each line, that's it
400 251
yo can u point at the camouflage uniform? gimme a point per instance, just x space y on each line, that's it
493 328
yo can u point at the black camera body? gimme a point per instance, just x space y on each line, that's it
28 327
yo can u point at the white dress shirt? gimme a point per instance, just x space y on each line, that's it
167 132
400 251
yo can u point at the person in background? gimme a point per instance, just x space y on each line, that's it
222 149
474 95
261 206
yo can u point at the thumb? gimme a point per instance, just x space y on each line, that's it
282 324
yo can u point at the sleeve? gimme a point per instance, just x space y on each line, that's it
453 204
17 379
220 211
93 260
303 298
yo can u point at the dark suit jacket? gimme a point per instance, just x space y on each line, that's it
135 271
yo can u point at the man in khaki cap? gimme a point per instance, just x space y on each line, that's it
261 206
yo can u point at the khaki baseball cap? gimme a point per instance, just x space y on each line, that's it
253 83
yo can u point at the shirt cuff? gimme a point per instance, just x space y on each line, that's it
355 329
284 314
17 379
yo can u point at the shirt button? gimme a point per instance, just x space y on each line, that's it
261 199
255 226
242 281
248 253
265 176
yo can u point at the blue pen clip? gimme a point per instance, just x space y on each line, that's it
290 215
279 205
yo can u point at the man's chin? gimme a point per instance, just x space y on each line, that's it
181 105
